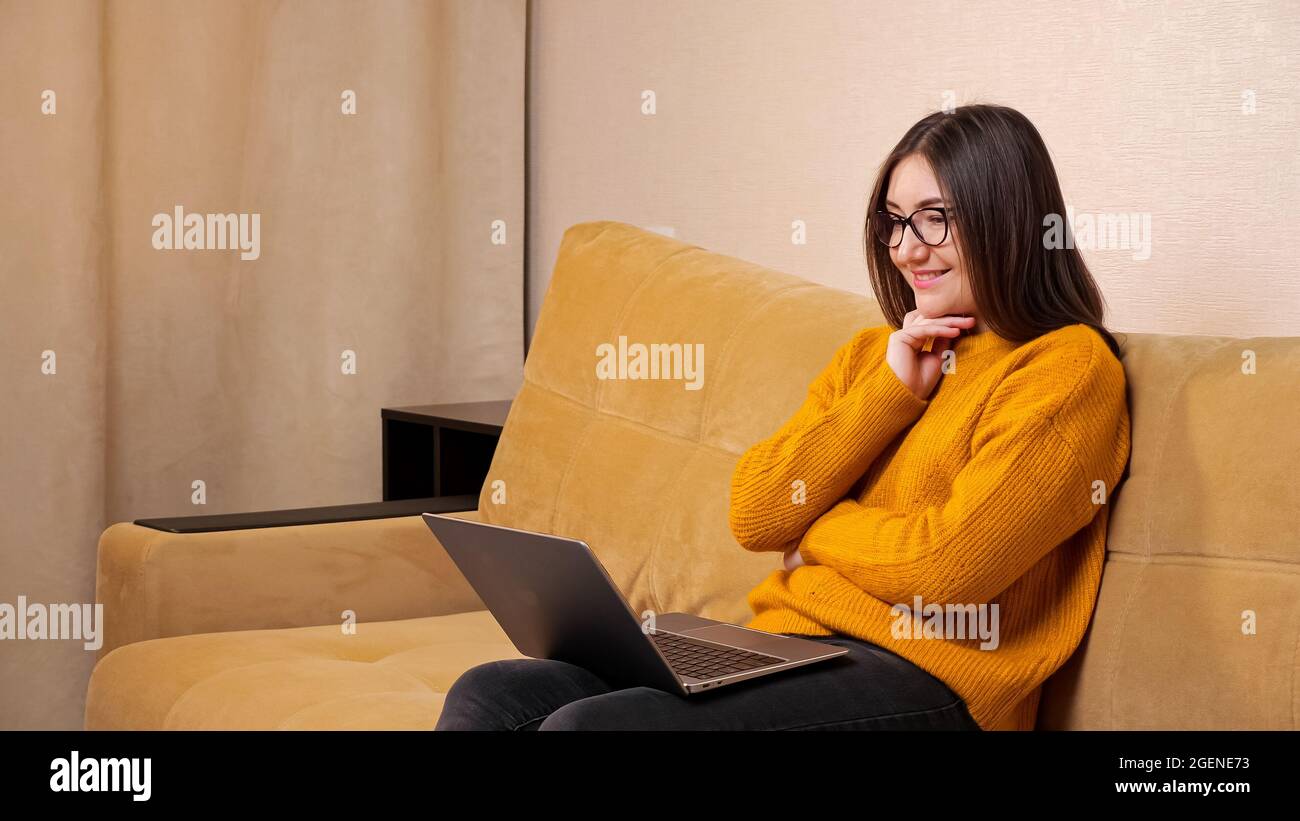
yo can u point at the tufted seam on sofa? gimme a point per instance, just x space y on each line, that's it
653 553
667 434
591 414
1112 662
1199 560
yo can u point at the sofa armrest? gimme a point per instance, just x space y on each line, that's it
155 583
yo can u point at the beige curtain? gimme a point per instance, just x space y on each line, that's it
389 241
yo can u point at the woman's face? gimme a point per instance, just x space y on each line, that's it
913 186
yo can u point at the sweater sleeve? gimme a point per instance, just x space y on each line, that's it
1048 433
854 408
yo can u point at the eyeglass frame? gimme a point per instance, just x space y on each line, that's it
894 219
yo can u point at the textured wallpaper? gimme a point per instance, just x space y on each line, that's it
755 129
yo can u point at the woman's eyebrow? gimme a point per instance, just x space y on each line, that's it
922 204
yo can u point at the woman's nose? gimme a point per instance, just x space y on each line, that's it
911 248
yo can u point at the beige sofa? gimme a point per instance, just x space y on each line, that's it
242 629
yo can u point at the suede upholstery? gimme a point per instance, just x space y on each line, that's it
213 630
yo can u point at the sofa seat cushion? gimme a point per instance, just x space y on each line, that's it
388 675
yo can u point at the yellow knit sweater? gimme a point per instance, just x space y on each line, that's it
995 490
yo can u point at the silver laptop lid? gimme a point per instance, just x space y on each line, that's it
554 600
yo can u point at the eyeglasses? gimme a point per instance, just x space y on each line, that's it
932 228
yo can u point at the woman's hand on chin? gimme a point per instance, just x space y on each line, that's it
916 368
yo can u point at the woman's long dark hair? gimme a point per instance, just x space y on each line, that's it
994 170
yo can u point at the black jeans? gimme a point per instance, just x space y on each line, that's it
870 688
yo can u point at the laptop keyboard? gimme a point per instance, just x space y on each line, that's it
704 661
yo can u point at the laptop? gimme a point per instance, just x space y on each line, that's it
554 600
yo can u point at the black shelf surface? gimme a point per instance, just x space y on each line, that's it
478 417
311 515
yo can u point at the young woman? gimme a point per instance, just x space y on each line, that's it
940 500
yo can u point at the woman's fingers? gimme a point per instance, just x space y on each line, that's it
921 331
948 319
916 335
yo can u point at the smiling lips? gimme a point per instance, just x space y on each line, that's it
927 279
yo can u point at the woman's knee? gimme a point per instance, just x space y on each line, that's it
473 702
513 694
635 708
577 715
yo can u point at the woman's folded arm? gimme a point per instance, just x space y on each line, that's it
854 408
1033 482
